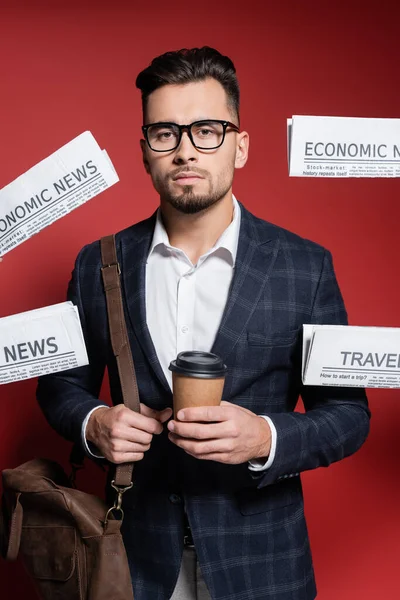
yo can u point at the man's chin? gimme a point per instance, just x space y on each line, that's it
191 204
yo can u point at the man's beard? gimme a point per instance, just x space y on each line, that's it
190 203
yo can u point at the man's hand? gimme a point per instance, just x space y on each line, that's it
227 433
123 435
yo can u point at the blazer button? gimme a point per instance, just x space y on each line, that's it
175 498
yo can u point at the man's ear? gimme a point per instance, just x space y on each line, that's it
144 156
242 149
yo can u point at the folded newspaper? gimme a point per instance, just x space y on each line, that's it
349 356
41 341
54 187
343 147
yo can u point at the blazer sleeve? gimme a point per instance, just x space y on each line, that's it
336 421
67 397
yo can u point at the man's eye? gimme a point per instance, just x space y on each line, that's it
205 132
164 135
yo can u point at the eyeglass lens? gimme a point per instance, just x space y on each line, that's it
205 134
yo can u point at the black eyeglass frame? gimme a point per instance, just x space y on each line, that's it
188 128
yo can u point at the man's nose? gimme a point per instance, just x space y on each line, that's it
185 152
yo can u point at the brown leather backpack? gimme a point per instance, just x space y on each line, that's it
70 541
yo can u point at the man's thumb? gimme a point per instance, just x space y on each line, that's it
165 414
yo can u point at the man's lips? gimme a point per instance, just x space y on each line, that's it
186 176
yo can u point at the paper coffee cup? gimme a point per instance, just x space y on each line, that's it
197 379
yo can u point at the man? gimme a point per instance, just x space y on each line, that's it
216 509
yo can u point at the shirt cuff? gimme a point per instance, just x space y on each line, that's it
83 433
262 464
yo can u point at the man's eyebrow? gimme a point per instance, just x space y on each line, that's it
193 121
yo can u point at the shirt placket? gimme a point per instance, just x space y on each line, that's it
185 310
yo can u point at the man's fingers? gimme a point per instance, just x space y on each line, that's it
165 415
131 435
204 431
203 448
129 418
135 443
147 411
158 415
125 457
205 414
120 431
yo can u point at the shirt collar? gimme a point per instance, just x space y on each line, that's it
228 240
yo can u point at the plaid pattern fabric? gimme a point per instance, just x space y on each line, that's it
248 528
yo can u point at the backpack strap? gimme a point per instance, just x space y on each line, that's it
111 273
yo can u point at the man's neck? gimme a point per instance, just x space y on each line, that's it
196 234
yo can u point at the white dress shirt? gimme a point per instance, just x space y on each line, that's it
185 302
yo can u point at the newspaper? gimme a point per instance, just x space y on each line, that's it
41 341
339 355
51 189
343 147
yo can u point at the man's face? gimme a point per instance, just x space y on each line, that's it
189 179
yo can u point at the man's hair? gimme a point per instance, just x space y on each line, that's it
188 66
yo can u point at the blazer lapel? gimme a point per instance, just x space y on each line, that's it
256 255
135 246
257 250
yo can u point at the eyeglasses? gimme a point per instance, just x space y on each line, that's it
204 135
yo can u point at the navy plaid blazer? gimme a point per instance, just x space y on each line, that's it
248 528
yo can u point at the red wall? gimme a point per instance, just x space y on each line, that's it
67 69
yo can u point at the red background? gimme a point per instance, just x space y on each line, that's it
68 67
